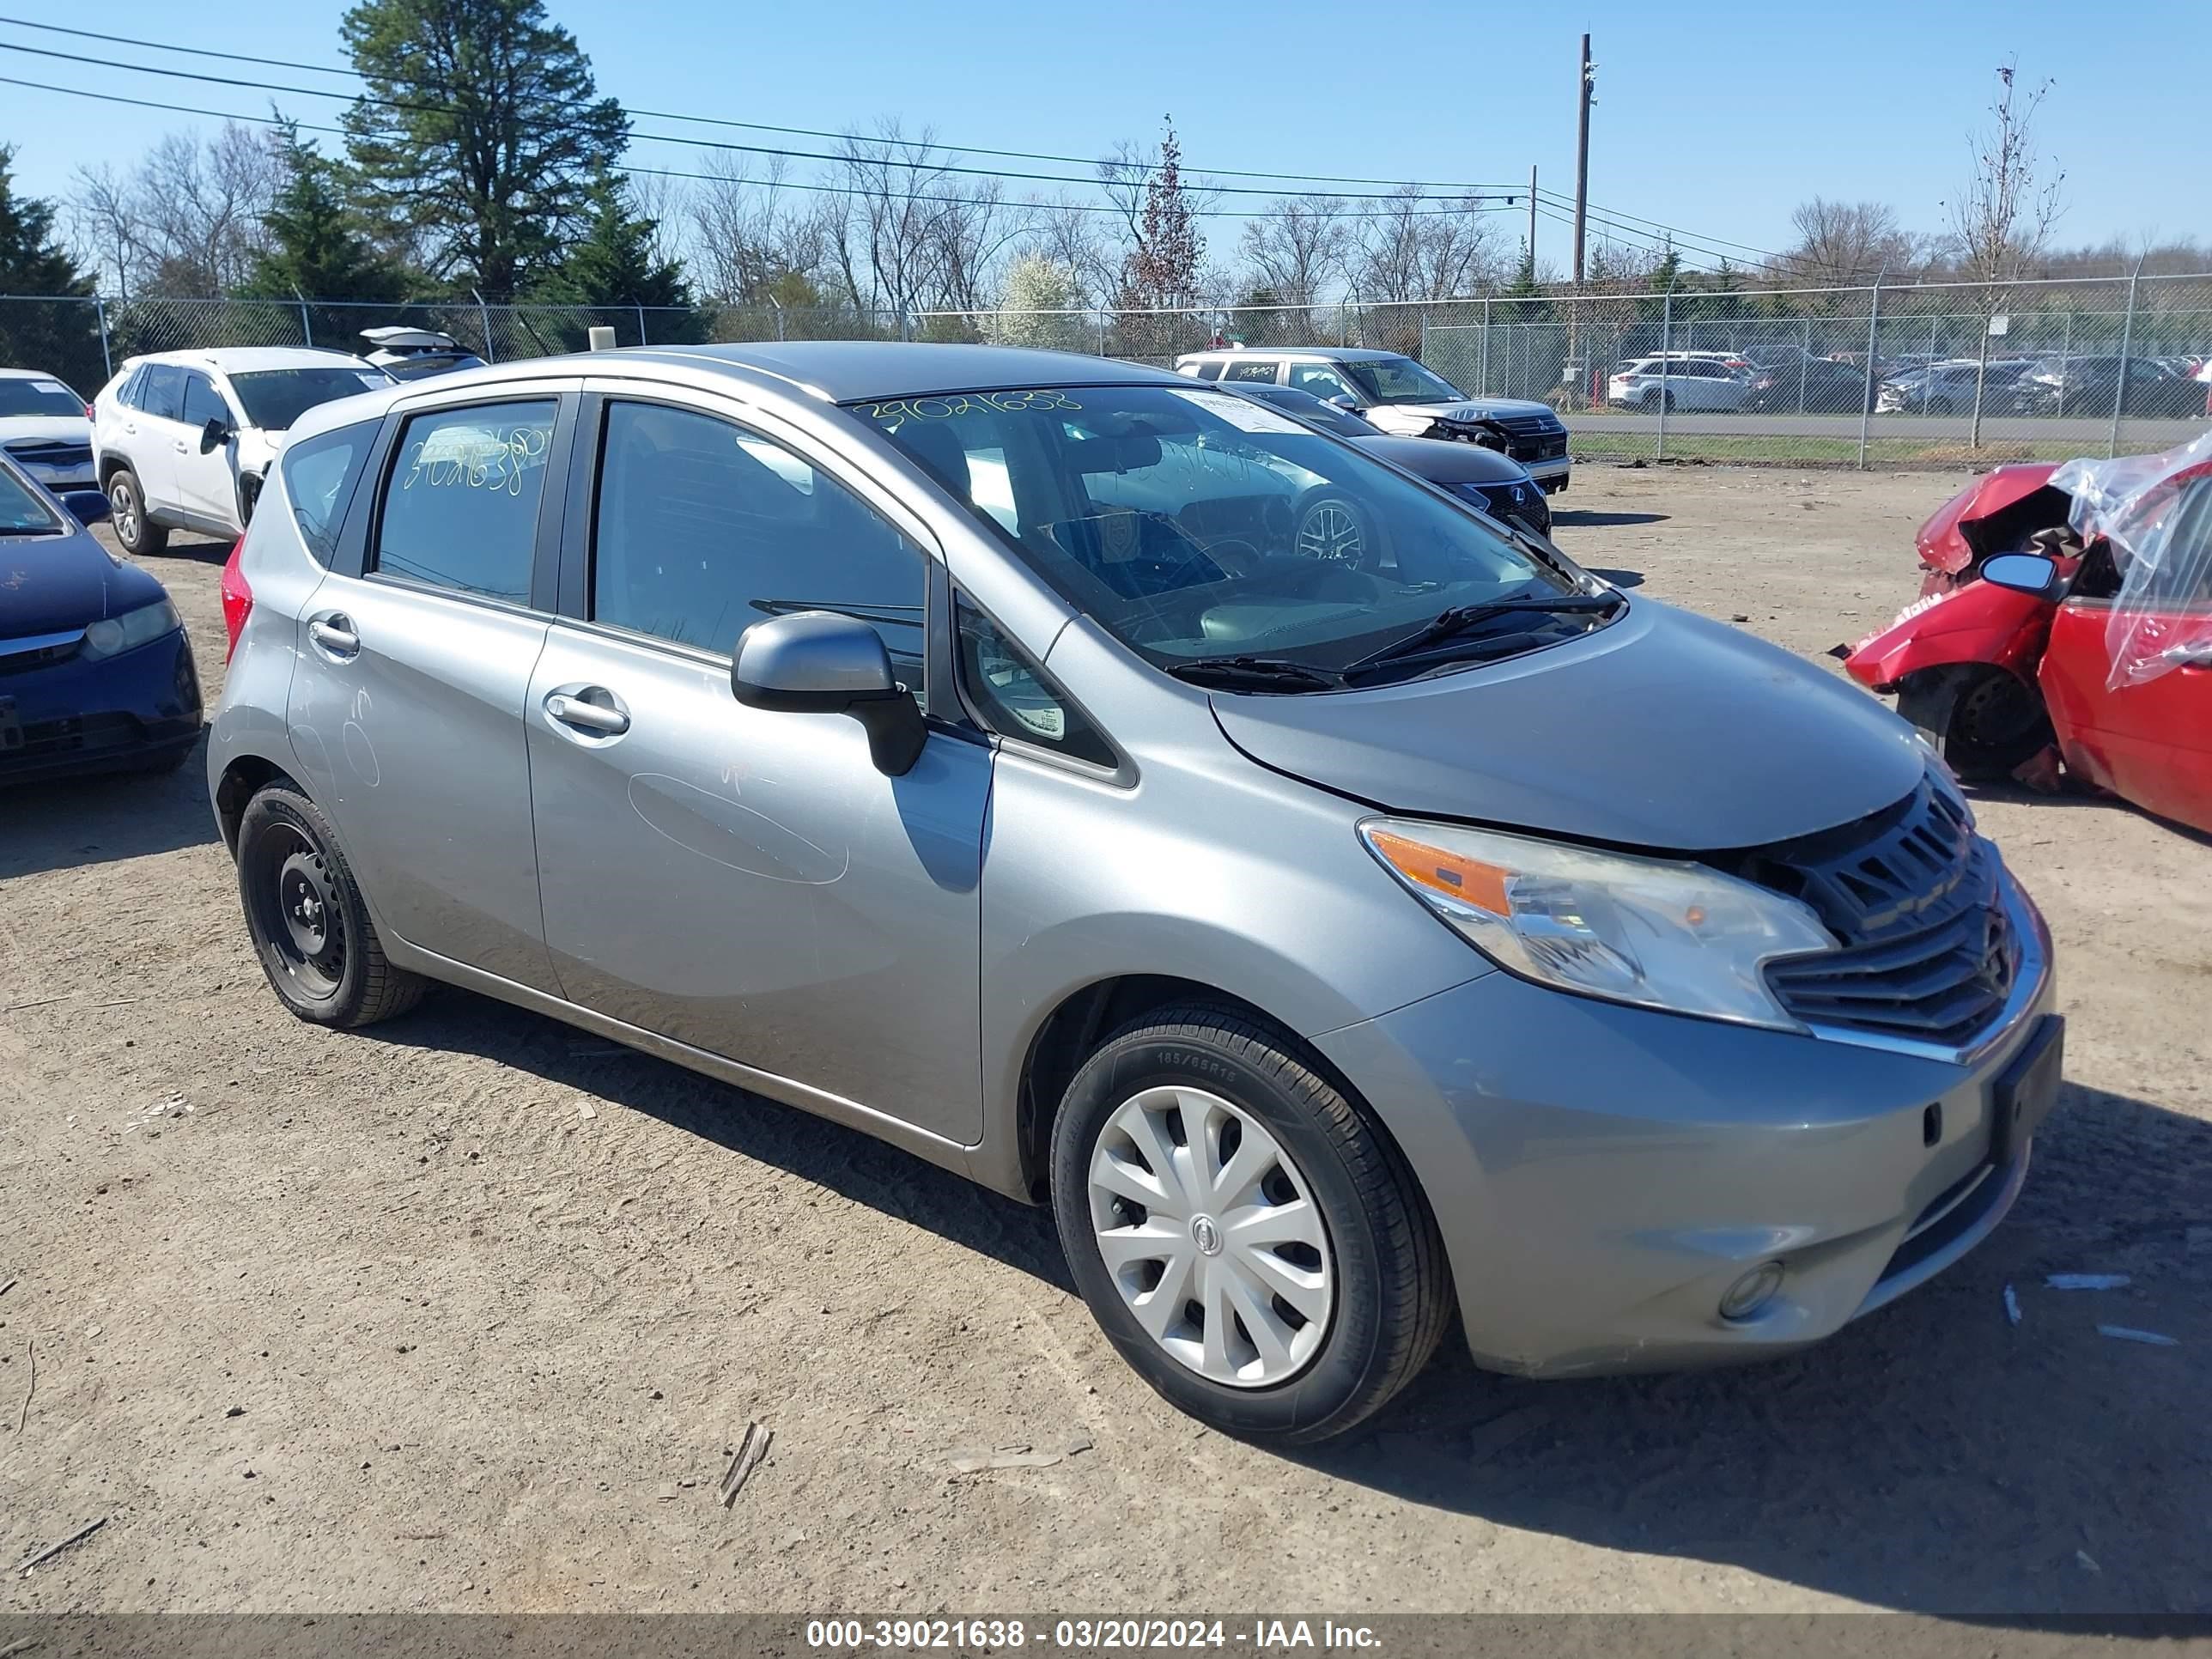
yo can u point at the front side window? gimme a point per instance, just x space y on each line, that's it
22 511
1015 698
704 528
1197 525
319 477
202 403
460 505
1319 380
274 398
1402 380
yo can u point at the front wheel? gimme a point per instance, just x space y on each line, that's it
1253 1245
1333 529
1984 725
308 923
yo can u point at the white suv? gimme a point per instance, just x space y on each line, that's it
182 439
1678 382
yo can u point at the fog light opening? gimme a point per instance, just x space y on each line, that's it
1750 1294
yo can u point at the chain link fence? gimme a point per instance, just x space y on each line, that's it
1926 372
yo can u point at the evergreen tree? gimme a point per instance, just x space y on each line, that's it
480 130
316 246
614 265
59 333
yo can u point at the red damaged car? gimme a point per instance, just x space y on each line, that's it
2078 635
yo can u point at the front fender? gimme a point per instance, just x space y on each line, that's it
1980 622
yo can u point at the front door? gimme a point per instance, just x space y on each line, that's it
744 881
406 707
206 479
2148 740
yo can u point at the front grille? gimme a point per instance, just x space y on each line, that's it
54 452
19 656
1914 897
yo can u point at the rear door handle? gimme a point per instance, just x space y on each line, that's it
335 635
601 719
2195 654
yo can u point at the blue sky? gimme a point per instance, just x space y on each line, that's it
1717 118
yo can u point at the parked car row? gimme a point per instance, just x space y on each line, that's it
1794 382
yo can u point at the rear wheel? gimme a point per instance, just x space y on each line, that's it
126 510
1332 529
309 926
1255 1248
1985 724
1655 401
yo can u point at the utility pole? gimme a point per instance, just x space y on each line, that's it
1582 154
1532 217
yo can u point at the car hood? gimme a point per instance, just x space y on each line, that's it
1661 731
1447 463
45 428
57 584
1463 411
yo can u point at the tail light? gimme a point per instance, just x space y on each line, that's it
87 411
237 599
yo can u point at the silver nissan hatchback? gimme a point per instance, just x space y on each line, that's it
968 745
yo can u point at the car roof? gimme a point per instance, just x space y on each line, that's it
1326 354
243 360
848 371
31 374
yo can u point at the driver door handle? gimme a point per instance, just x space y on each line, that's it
2195 654
595 717
335 635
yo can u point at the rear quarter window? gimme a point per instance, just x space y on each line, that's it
319 475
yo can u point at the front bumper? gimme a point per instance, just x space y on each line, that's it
1601 1174
78 715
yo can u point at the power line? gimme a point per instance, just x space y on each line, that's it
799 132
656 172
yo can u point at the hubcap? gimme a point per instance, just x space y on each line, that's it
1331 532
126 513
1212 1237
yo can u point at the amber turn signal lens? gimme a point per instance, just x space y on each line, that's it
1465 879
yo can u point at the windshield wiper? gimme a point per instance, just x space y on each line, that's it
1461 617
1254 673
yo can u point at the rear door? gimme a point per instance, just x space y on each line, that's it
151 432
746 882
2149 742
407 704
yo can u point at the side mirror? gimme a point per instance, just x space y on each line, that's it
88 506
1345 400
817 662
2023 573
214 434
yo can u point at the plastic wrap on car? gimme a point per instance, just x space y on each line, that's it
2155 511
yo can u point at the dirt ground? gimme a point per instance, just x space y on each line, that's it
467 1311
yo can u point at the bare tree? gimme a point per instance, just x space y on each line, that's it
1071 236
909 234
187 223
1414 247
1848 242
753 240
2002 218
1299 250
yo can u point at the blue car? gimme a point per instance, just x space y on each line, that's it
95 673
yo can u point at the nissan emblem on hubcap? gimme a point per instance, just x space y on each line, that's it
1205 1235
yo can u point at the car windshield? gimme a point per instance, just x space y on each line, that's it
38 396
22 511
274 398
1195 524
1402 380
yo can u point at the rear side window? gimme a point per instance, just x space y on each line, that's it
319 475
1208 371
1249 371
460 507
162 391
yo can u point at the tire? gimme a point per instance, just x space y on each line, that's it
288 852
1333 529
1984 723
126 511
1941 406
1363 1254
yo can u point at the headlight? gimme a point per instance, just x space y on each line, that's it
1652 931
112 635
